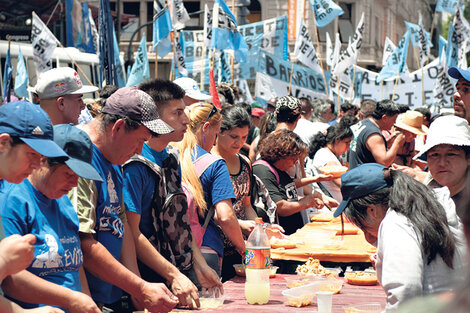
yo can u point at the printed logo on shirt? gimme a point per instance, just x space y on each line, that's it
113 197
49 258
112 224
291 192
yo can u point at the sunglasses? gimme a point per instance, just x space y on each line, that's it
211 113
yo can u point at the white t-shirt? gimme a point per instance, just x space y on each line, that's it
402 269
321 158
306 129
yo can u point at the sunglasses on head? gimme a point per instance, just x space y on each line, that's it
211 113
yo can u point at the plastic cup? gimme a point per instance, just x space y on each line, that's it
324 301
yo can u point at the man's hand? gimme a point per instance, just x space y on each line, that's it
323 177
184 289
81 303
207 277
156 298
247 226
16 253
415 173
329 201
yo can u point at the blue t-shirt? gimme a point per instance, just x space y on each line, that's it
139 186
54 222
109 226
217 186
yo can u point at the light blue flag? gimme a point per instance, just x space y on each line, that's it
140 69
447 6
7 75
396 62
225 34
120 80
78 28
325 11
192 44
452 47
442 44
161 27
413 29
21 78
269 35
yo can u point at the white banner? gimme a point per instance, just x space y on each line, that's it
409 90
179 56
389 46
444 86
207 26
329 50
462 28
350 55
304 50
424 47
43 43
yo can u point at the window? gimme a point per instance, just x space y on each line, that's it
345 27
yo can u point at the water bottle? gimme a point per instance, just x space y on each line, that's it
258 264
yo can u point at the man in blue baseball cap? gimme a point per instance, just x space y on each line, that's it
462 95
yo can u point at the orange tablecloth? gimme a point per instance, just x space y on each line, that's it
354 248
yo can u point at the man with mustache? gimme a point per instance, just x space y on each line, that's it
462 95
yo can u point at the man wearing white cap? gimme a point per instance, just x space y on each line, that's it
191 88
60 92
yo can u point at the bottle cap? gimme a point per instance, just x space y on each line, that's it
259 220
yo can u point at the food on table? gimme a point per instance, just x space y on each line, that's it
299 301
273 271
333 285
282 243
335 170
361 278
372 307
322 217
210 303
349 229
313 267
297 282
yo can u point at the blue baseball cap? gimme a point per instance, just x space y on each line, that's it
76 143
359 182
456 73
32 125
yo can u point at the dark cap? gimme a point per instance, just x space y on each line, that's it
359 182
32 125
137 105
288 103
456 72
76 143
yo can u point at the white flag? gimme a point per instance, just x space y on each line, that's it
350 55
462 55
329 50
462 28
389 46
207 26
443 86
179 56
43 43
304 50
336 52
179 15
245 91
424 48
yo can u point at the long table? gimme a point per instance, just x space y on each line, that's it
235 297
312 243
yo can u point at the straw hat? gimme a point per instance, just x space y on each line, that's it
412 121
449 129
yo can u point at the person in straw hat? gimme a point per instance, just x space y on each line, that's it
410 124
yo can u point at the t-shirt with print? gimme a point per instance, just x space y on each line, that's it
217 187
54 222
358 152
284 190
101 212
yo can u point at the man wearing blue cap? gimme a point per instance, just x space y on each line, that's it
462 95
25 134
125 123
40 206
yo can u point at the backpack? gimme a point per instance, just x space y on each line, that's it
198 230
171 230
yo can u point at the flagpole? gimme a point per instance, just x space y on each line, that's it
290 78
396 83
233 56
203 63
156 61
319 52
352 86
172 77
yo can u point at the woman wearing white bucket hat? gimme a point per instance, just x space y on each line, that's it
447 150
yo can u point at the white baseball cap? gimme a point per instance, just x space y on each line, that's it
191 88
59 82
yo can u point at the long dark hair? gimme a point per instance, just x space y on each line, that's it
334 133
416 202
234 116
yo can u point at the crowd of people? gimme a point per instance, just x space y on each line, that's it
141 198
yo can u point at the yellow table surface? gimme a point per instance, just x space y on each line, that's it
312 241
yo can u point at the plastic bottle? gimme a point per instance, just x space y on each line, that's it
258 263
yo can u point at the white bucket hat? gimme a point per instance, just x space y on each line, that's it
450 130
191 88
